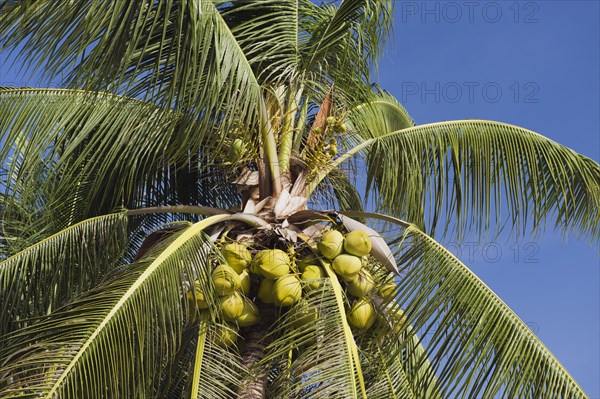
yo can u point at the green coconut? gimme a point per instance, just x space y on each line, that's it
250 314
318 130
198 297
287 290
330 121
237 256
357 243
306 315
226 335
347 266
361 284
362 314
308 260
226 280
265 291
312 275
331 244
388 290
232 306
273 263
236 150
245 282
396 317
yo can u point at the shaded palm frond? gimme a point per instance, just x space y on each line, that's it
216 371
47 275
469 174
104 151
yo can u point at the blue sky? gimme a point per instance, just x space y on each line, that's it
534 64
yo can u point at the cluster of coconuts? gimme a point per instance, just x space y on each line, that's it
232 282
348 255
281 280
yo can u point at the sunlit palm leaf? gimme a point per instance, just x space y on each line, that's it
176 54
47 275
268 33
132 325
343 43
313 353
470 173
477 346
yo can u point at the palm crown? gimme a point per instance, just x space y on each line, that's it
189 126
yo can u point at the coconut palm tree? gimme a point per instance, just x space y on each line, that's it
194 138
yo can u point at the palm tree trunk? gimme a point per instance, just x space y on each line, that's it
257 340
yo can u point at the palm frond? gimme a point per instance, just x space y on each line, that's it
470 174
100 151
312 351
268 32
476 345
180 55
47 275
343 43
132 325
216 372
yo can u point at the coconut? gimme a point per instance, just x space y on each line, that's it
361 284
273 263
309 260
236 150
331 244
265 291
306 315
388 290
232 306
396 317
287 290
342 128
362 314
312 275
226 335
226 280
318 130
237 256
347 266
330 120
198 297
250 314
357 243
245 282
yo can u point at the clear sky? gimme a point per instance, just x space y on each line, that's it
533 64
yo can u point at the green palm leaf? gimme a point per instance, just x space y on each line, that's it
467 174
47 275
177 54
105 151
476 345
145 299
312 350
343 44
